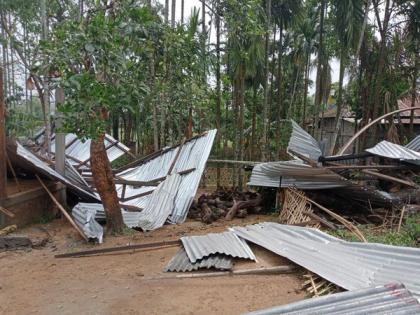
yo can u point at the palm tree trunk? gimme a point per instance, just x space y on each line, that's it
218 93
46 92
241 105
305 95
318 93
279 89
173 13
265 149
182 12
337 121
166 12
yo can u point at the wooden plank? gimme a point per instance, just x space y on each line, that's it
390 178
84 253
7 212
178 152
311 162
63 211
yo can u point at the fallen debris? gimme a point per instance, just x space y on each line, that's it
392 298
350 265
8 229
10 242
99 251
256 271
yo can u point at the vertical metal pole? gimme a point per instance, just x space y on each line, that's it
3 153
60 141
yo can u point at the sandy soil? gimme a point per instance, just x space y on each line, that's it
35 282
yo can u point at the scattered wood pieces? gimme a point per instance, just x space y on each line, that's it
238 205
10 242
8 229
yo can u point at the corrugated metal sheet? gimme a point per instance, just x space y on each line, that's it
74 176
303 143
227 243
161 204
414 144
181 263
85 219
295 174
131 219
395 151
391 298
76 150
193 155
43 168
350 265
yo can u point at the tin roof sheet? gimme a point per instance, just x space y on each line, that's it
392 298
350 265
181 263
227 243
303 143
414 144
85 219
395 151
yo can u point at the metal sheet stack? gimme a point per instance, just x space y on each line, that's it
214 250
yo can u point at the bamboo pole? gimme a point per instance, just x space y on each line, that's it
63 211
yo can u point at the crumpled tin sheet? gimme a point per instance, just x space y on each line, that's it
414 144
194 154
391 298
42 167
181 263
227 243
395 151
85 219
350 265
303 143
80 151
161 204
295 174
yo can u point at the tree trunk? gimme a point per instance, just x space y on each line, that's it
253 127
104 183
173 13
318 94
305 95
182 12
413 94
264 138
218 93
241 105
337 121
3 154
279 89
166 11
46 92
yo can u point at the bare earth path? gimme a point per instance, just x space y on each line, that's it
37 283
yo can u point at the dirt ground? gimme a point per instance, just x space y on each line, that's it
35 282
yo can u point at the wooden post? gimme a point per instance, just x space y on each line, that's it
3 154
60 143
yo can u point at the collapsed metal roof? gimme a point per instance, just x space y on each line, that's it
181 263
395 151
303 143
27 160
227 243
78 152
295 174
190 156
350 265
392 298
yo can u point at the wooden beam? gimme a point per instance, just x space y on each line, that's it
360 167
390 178
63 211
178 152
14 174
311 162
98 251
3 152
7 212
